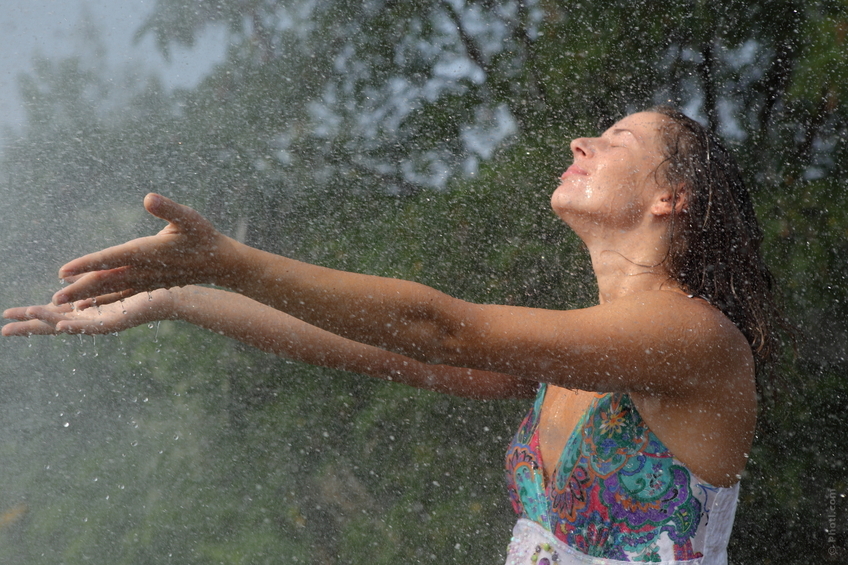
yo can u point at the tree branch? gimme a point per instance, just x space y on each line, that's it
823 109
777 78
470 48
706 70
521 35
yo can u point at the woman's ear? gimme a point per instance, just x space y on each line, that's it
674 199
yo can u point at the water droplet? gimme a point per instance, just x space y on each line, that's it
66 424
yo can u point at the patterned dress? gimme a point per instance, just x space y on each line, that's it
617 495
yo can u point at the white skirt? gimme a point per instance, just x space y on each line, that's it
532 544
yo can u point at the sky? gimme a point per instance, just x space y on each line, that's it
52 27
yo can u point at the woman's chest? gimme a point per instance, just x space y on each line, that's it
561 412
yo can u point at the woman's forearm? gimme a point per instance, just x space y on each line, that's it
393 314
275 332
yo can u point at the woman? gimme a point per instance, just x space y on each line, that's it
645 404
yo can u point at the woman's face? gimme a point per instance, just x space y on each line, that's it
612 180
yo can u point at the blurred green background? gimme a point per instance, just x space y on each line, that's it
412 139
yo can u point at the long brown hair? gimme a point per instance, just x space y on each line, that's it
715 242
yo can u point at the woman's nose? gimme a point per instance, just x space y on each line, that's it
581 147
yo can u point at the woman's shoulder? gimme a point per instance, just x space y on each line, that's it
678 309
690 330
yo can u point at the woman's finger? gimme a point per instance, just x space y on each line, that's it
24 312
28 328
102 300
48 314
17 313
113 284
136 251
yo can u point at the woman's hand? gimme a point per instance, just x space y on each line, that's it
188 250
86 317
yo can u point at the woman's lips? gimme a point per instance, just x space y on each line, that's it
574 170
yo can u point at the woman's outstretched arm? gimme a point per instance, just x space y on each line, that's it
190 251
265 328
659 342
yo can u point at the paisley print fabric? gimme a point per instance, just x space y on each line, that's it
617 493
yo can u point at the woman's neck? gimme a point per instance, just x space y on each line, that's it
619 275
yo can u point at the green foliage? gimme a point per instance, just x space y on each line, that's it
417 140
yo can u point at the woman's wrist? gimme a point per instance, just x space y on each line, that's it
233 264
248 271
162 304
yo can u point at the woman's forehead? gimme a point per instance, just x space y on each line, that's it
644 121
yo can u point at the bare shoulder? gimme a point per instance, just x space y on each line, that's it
686 339
656 342
659 311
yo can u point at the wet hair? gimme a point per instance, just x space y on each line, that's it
715 241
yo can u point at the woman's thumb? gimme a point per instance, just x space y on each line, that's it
168 210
